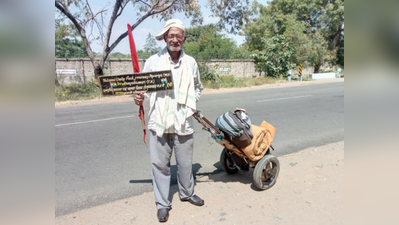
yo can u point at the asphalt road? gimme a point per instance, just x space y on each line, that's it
100 156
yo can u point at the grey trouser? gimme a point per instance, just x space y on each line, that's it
161 153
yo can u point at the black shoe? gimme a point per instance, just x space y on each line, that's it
163 214
195 200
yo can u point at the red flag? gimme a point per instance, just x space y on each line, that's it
136 69
133 53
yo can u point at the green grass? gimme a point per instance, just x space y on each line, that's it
229 81
77 92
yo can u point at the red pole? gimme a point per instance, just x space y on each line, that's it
136 69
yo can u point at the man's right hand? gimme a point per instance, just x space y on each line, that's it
138 99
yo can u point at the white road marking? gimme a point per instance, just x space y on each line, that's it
277 99
93 121
124 117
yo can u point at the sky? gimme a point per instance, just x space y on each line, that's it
153 26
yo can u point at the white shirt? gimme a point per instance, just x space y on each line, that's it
153 64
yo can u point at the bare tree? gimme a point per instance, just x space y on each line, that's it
85 20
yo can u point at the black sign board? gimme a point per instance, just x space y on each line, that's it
136 83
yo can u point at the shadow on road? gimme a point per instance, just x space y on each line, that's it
218 175
145 181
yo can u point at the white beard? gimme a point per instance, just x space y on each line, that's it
174 49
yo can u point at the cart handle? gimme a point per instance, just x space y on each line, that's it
205 122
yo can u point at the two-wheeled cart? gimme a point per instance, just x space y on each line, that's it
266 169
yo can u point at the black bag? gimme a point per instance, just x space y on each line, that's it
236 126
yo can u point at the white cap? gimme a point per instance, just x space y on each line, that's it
169 24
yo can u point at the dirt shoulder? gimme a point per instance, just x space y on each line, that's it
309 190
204 92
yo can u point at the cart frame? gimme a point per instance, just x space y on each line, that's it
266 169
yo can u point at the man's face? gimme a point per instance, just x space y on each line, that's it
174 39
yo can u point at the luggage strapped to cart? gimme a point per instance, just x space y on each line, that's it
237 127
232 158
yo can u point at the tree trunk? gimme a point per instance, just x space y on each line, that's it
336 37
65 10
153 9
316 68
98 71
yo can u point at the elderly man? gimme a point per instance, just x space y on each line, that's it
170 118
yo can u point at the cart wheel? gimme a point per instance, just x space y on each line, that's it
226 162
266 172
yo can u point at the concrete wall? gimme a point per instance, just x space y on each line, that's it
237 67
315 76
86 71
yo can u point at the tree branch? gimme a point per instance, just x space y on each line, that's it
122 36
144 3
166 8
149 13
122 8
93 21
64 9
337 35
93 18
106 49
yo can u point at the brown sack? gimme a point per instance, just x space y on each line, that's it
263 137
271 130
